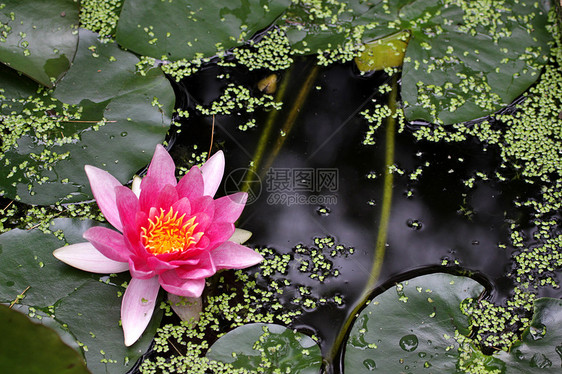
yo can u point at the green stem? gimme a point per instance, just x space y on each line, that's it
386 194
264 138
293 114
380 244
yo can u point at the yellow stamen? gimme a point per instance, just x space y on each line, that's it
168 233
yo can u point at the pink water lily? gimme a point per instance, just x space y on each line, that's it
171 234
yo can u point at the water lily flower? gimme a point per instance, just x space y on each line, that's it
170 234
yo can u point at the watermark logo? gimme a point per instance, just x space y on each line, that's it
302 180
243 179
287 186
301 186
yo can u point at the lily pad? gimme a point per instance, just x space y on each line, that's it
188 29
92 313
71 301
39 38
464 59
101 104
261 347
540 349
29 347
411 327
387 52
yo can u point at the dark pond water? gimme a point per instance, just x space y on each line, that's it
433 218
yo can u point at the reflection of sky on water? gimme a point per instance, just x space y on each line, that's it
328 134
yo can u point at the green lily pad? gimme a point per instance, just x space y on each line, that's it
50 136
387 52
540 348
464 60
188 29
29 347
39 38
411 327
69 300
264 348
92 313
26 260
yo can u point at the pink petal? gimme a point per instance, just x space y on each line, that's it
133 238
218 233
159 266
103 187
167 196
150 189
127 205
109 243
140 269
203 204
182 287
204 269
162 167
235 256
199 247
183 207
202 220
85 256
180 261
229 208
137 307
191 185
213 171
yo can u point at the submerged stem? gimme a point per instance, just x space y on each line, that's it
293 114
380 244
264 137
387 192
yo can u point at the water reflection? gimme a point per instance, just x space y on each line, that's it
434 218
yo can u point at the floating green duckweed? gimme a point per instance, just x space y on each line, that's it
472 360
378 115
241 298
533 139
194 157
500 326
100 16
182 68
529 138
238 98
39 116
536 265
240 301
27 217
271 52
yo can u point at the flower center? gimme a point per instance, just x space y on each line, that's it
168 233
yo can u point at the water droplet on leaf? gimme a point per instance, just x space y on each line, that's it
370 364
537 332
409 343
540 361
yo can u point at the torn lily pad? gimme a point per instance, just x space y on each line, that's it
39 38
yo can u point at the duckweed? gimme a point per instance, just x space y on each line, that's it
100 16
272 52
529 138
